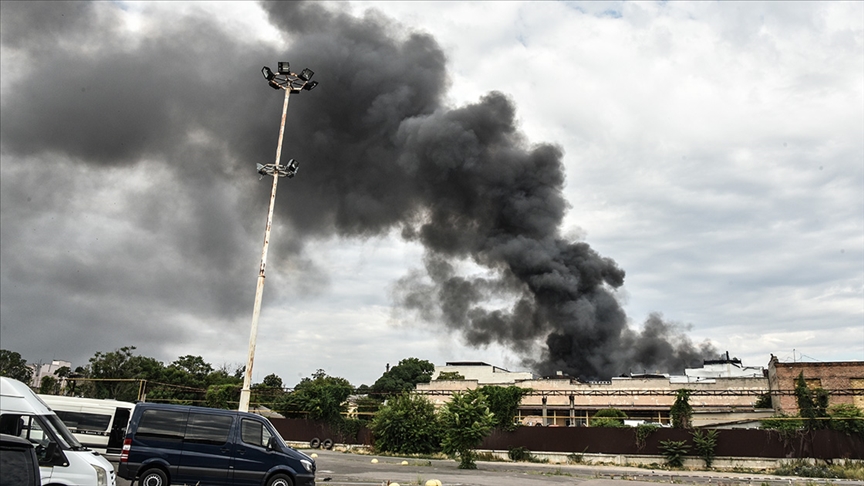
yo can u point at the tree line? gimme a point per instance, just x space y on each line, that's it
122 374
401 422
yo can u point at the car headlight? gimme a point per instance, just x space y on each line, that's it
308 465
101 475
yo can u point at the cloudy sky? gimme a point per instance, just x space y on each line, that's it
478 181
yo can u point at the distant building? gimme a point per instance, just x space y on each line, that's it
844 381
47 369
724 368
723 392
482 373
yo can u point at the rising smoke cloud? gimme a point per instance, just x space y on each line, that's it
470 186
380 149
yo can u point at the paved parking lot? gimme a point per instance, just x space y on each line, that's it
345 469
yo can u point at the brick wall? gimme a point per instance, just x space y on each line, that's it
838 378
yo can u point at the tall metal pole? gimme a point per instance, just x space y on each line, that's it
259 291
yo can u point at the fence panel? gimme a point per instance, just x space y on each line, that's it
819 444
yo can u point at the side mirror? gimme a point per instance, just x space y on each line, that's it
272 444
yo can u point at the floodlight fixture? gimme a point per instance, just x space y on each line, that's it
284 67
268 74
291 168
273 84
306 74
310 85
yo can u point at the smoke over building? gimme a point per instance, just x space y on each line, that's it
466 184
380 150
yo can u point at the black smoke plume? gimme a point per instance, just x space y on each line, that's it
380 149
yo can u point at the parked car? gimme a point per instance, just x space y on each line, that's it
18 462
168 444
62 459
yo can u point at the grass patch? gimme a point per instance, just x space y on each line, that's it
821 469
488 457
436 455
555 472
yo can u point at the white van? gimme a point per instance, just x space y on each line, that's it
96 423
62 459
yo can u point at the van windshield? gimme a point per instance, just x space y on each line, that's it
58 430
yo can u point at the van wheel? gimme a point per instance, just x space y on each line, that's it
314 443
280 480
153 477
327 444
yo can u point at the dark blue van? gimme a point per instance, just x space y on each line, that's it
175 444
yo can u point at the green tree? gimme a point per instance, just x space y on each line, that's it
14 366
847 418
465 421
224 376
225 396
49 385
321 397
763 401
812 404
126 368
403 377
269 391
272 381
192 370
681 410
407 425
367 407
609 417
504 404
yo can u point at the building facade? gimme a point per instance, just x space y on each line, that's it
844 381
483 373
48 369
722 392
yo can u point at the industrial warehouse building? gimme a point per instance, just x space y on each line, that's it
723 392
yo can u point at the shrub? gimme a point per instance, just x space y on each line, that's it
519 454
609 417
674 452
706 443
847 418
465 420
407 425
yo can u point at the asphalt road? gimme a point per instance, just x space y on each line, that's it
347 469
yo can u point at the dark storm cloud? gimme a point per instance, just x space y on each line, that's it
379 150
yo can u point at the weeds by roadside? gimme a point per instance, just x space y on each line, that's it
821 469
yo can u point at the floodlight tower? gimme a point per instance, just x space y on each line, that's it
289 82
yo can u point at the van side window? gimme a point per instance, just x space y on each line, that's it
208 429
254 433
162 424
34 432
93 422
